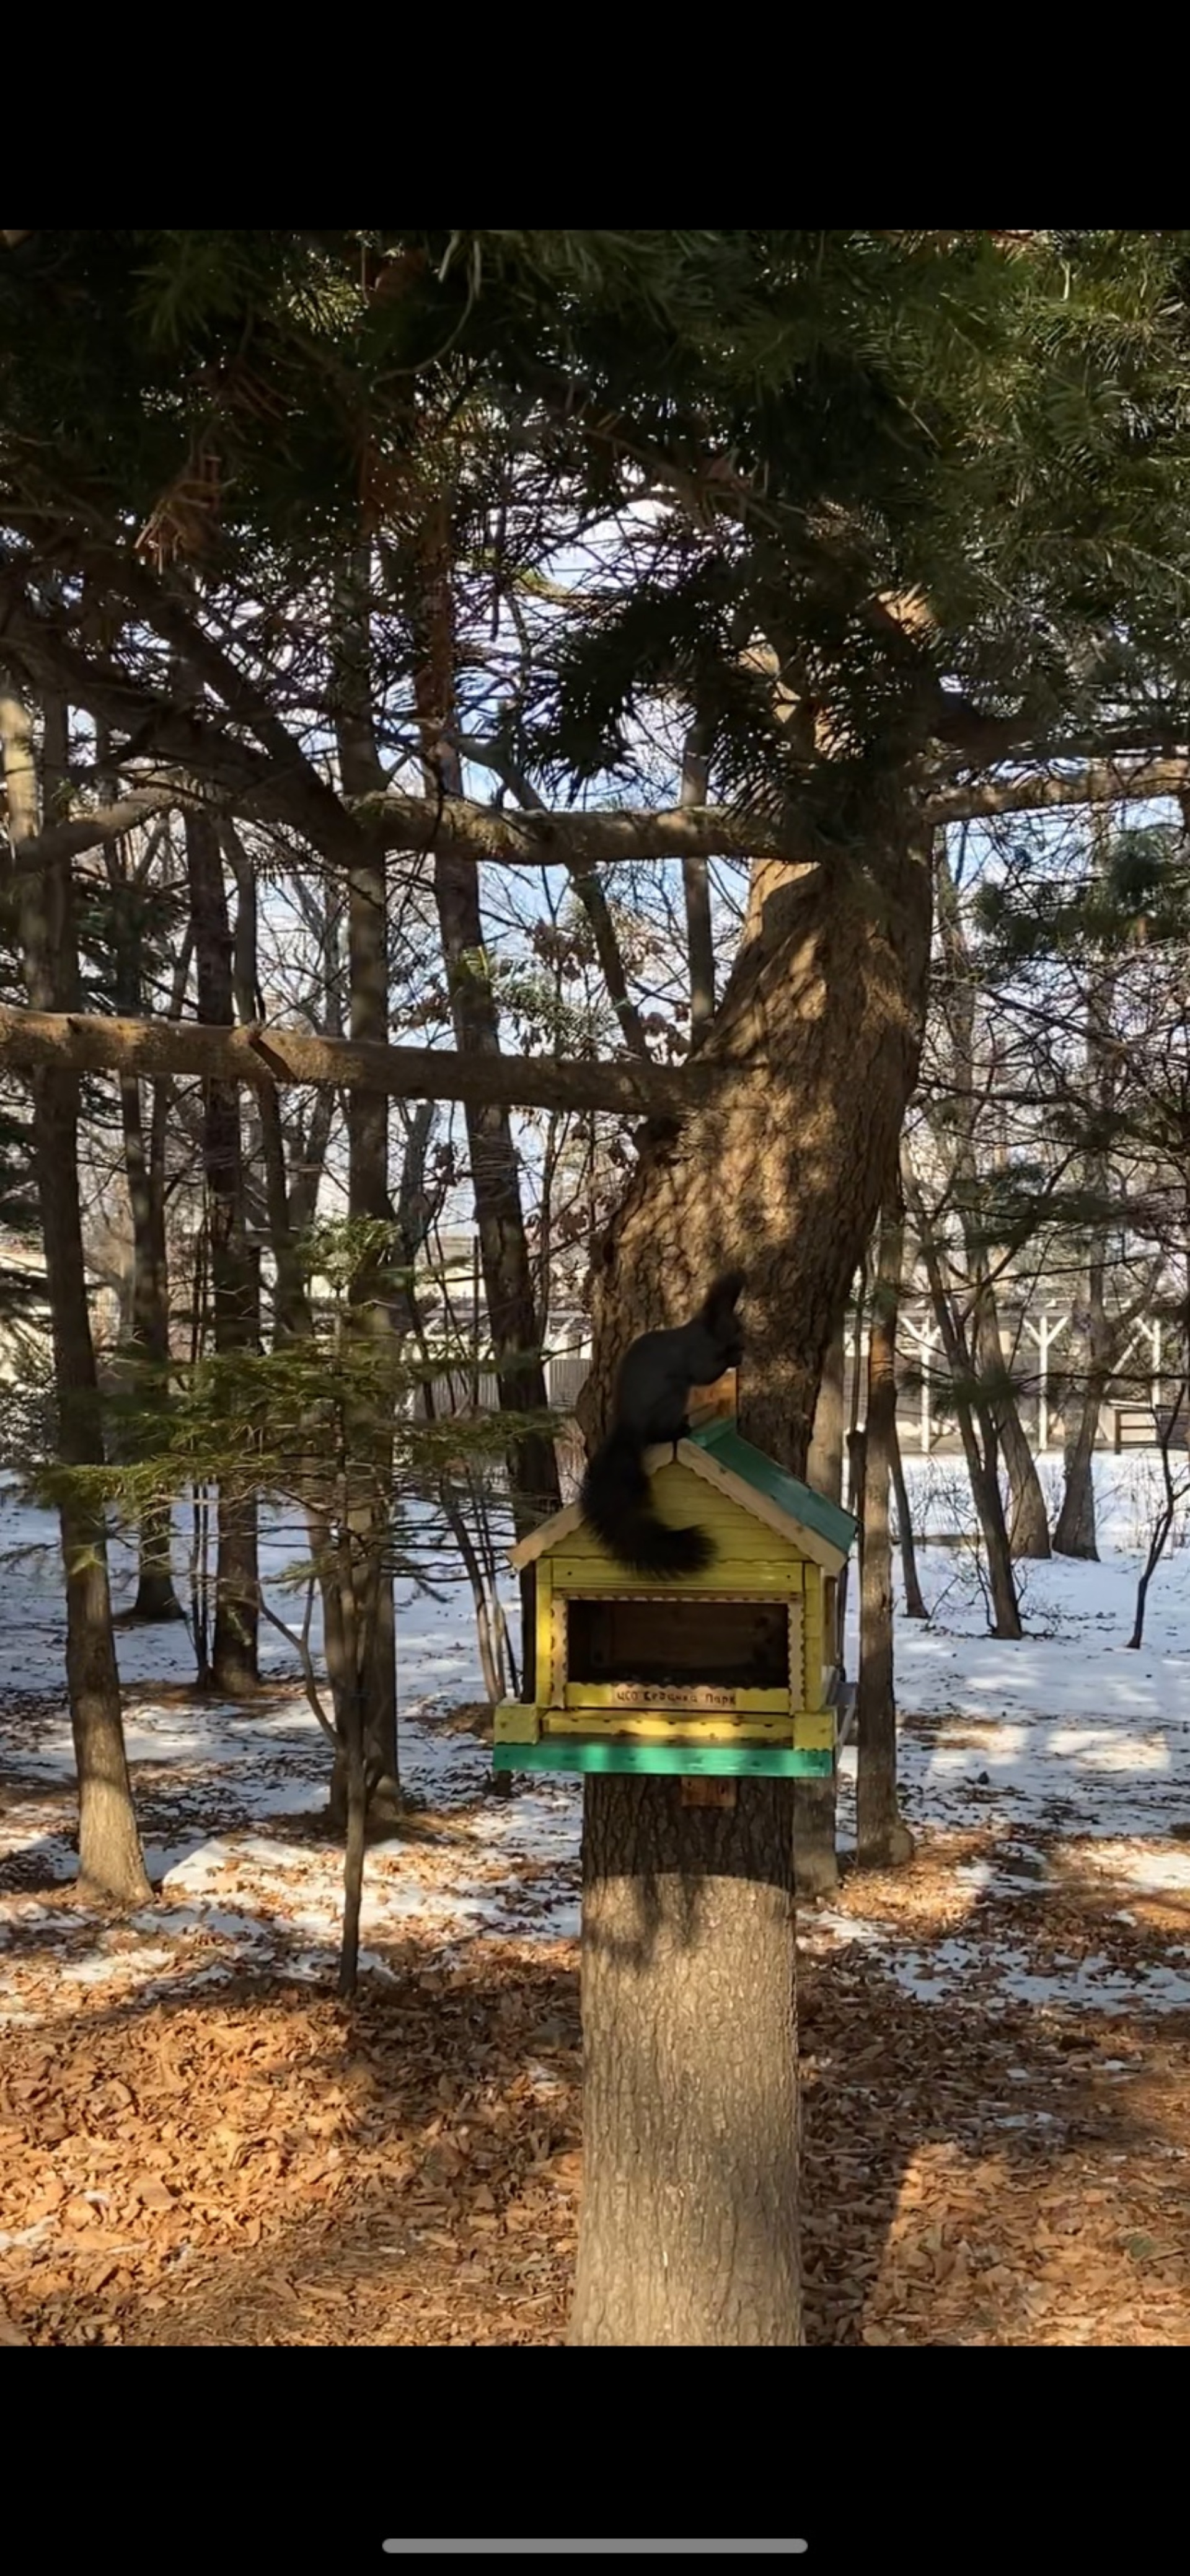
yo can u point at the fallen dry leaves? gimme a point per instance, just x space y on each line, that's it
980 2172
256 2166
260 2167
245 2163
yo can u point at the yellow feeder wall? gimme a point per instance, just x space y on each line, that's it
730 1670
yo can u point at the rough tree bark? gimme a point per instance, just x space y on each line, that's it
882 1840
689 2229
824 1465
234 1294
110 1860
689 2216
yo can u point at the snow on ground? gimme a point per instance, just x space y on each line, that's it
1062 1752
1066 1729
265 1890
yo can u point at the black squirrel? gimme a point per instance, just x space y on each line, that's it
657 1375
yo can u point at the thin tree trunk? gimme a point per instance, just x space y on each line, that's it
816 1802
1171 1428
291 1304
513 1321
1028 1522
881 1838
970 1411
234 1287
369 1201
688 2231
156 1600
1075 1532
854 1445
200 1515
915 1607
110 1859
368 1198
351 1712
290 1197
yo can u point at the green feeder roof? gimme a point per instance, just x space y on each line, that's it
722 1441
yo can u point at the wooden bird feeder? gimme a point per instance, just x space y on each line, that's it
731 1671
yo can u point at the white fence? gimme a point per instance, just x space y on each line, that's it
1035 1345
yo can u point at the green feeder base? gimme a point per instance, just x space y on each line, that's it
731 1761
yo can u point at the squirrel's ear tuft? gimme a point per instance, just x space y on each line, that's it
725 1294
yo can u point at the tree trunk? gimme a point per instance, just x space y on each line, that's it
1028 1523
824 1467
1028 1526
881 1838
1075 1533
689 2216
689 2229
513 1321
110 1860
975 1424
915 1607
353 1626
156 1599
1172 1428
369 1202
785 1168
368 1199
291 1306
816 1802
234 1287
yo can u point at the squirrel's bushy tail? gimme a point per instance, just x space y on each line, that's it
616 1500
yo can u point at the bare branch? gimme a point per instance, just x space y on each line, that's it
1099 782
592 838
93 831
86 1043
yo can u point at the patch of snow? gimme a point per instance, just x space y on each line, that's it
958 1970
1151 1873
96 1971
